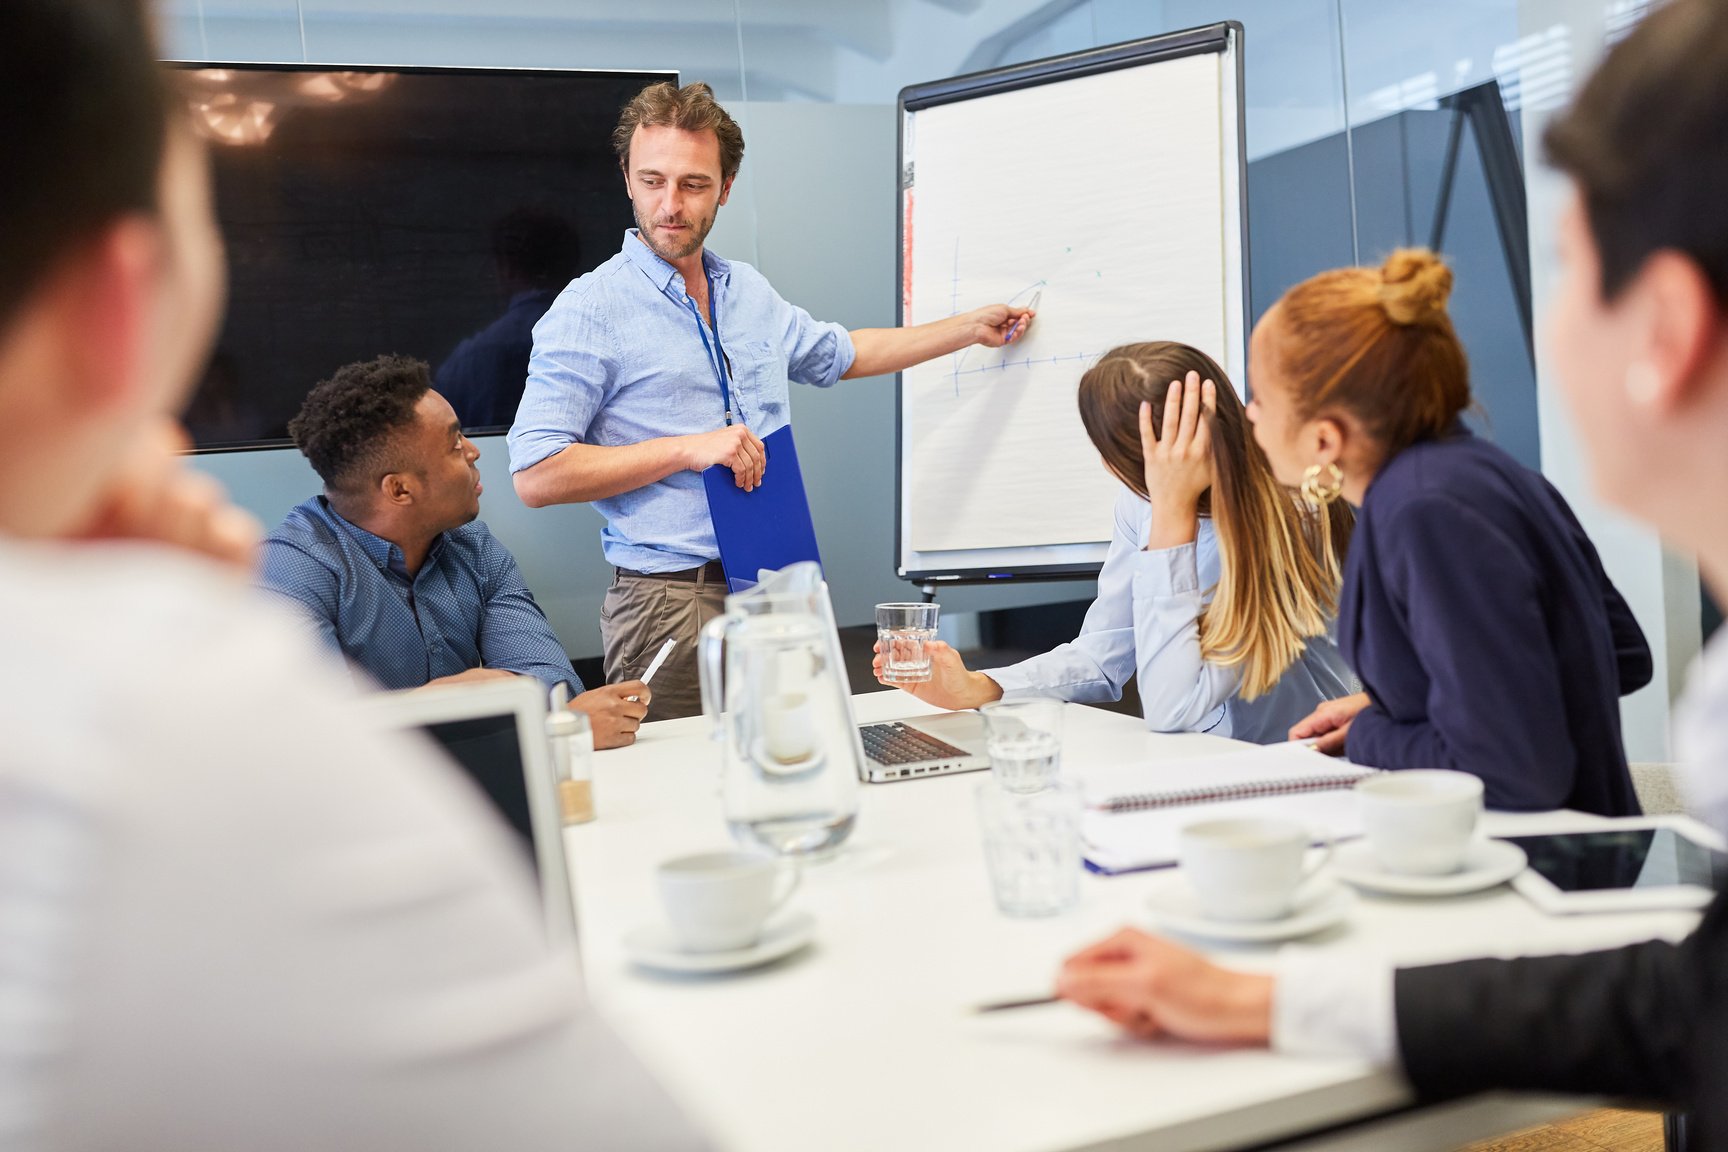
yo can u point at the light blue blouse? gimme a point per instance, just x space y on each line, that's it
1146 621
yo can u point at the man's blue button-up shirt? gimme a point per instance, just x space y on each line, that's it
466 608
620 359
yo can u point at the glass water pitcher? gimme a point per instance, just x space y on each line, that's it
775 688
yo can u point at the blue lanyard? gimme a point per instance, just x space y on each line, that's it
716 353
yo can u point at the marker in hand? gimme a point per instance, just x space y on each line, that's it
1020 324
659 659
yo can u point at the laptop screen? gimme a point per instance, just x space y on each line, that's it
495 732
488 750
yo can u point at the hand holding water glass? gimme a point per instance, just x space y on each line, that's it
1024 741
902 630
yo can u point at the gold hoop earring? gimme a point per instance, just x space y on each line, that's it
1320 494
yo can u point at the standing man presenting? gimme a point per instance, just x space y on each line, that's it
666 360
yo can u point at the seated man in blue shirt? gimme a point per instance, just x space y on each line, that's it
391 564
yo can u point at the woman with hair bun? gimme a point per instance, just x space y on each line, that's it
1475 610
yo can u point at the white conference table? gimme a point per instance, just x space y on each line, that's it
866 1040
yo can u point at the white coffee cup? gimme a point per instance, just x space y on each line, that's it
1420 822
719 901
1247 869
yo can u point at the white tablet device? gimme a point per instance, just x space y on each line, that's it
1642 863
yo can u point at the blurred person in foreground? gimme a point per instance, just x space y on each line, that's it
233 917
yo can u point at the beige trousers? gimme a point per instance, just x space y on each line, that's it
638 615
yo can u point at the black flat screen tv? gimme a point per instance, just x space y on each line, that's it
431 212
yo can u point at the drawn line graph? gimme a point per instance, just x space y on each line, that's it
958 360
1026 363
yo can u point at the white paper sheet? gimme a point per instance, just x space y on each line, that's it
1106 195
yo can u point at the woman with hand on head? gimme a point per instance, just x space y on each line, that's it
1220 585
1475 610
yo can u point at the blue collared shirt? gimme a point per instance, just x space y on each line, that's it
620 358
1146 622
466 608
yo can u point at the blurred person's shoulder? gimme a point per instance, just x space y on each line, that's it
172 686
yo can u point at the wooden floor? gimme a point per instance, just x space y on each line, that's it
1607 1130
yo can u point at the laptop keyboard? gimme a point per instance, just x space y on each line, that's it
895 743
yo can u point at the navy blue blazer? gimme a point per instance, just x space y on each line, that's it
1478 617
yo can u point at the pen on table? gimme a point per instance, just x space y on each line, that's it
1005 1005
1020 324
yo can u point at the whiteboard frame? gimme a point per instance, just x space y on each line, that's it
1067 561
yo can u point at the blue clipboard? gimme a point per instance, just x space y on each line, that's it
764 529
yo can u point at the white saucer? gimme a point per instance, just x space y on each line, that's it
1323 906
1487 863
655 946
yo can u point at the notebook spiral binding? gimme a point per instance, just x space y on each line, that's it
1145 801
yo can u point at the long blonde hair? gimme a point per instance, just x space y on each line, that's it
1280 561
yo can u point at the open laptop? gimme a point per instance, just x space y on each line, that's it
495 731
923 746
895 749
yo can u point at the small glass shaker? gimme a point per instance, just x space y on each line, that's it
572 765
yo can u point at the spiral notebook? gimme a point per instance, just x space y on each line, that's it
1135 813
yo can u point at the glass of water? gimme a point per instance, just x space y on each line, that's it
1032 847
901 633
1024 740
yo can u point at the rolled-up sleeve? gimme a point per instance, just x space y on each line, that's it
573 367
817 352
514 633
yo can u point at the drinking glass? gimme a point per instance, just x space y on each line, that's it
1024 740
901 632
1031 847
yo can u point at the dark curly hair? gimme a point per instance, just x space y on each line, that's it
345 424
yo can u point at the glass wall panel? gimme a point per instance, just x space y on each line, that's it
1438 161
231 30
1298 159
698 38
